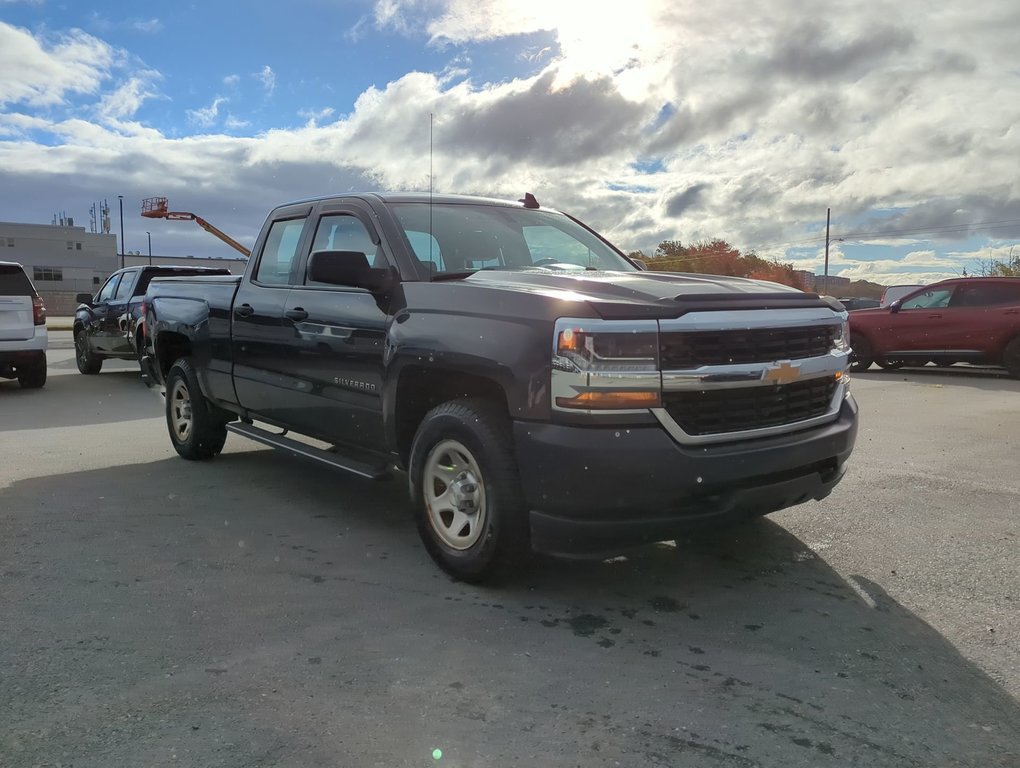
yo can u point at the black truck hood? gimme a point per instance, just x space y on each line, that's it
647 294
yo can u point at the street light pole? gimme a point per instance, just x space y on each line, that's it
121 199
825 278
149 235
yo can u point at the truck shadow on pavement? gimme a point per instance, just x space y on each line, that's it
987 379
291 612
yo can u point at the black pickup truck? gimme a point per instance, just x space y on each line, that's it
106 325
540 390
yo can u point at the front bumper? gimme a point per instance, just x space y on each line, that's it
592 489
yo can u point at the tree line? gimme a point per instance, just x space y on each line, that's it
717 257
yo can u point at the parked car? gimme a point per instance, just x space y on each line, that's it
897 292
106 325
856 302
540 390
23 335
972 319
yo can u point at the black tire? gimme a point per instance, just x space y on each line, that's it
861 355
197 429
1011 358
496 543
890 365
33 376
86 359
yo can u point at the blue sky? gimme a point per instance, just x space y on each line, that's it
673 120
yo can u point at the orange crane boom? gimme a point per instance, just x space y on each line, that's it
158 208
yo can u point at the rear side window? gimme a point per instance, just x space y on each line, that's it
127 282
14 281
278 253
987 295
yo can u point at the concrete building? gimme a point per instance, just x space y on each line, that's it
59 259
66 260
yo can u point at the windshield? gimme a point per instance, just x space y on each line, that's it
458 238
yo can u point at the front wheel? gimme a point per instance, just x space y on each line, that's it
861 356
86 359
466 493
890 365
197 428
1011 358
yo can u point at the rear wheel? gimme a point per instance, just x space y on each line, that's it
197 428
466 493
861 355
33 375
1011 358
86 359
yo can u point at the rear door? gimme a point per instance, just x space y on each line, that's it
260 344
984 315
16 294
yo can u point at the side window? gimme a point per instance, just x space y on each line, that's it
547 242
987 295
127 282
934 299
107 291
278 252
343 232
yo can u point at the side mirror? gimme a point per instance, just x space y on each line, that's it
84 298
895 306
640 264
348 268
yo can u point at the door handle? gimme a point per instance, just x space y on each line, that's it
934 316
1012 312
297 314
245 310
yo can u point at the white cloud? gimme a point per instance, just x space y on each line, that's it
205 117
268 78
147 25
41 72
128 98
235 123
231 80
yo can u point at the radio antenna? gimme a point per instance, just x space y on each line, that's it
431 270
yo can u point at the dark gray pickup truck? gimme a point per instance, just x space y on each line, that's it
540 390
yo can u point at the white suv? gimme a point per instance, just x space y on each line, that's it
23 337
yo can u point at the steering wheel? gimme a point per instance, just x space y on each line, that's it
545 262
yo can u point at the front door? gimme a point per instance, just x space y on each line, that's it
259 342
338 340
98 325
113 334
920 325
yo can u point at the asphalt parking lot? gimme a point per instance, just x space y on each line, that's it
260 611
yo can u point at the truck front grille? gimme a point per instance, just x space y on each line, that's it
719 411
679 350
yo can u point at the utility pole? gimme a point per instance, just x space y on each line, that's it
825 277
121 199
149 235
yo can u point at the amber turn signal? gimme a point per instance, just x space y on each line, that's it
610 400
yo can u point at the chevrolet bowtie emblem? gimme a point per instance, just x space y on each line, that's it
782 373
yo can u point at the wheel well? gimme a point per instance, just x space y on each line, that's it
422 389
170 347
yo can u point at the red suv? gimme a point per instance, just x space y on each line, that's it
970 319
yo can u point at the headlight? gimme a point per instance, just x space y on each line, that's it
606 365
841 341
